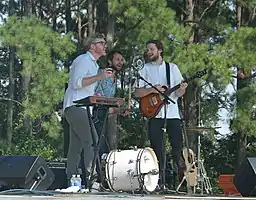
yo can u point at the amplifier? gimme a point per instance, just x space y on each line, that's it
59 170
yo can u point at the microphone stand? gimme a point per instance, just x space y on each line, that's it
166 100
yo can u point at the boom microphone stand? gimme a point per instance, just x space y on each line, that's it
166 100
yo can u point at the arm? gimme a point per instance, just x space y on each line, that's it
81 77
181 91
141 92
86 81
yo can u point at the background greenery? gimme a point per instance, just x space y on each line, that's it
39 40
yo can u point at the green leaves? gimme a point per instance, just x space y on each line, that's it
41 52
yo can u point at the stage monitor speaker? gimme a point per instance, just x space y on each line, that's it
245 177
59 170
26 172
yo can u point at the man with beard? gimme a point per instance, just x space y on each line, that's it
155 72
107 88
82 82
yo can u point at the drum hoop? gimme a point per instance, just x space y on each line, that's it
107 171
139 167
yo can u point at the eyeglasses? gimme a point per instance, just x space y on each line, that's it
103 43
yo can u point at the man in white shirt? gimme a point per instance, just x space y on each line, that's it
83 78
155 73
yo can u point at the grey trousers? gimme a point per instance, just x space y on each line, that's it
111 133
80 139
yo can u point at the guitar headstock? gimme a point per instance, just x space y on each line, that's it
199 74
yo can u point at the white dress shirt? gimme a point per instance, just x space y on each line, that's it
156 74
84 65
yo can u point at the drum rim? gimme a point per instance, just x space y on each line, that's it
107 171
144 187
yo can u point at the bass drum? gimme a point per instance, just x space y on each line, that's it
132 170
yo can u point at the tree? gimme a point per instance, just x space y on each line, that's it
34 44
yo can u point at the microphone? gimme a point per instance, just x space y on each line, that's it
170 36
172 39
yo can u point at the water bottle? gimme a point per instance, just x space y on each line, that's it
73 180
78 181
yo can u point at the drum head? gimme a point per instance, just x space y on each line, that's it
148 165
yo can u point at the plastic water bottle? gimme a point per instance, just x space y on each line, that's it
78 181
73 180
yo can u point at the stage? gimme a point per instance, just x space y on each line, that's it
51 195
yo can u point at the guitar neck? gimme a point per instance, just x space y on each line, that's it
197 75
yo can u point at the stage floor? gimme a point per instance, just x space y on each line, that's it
116 196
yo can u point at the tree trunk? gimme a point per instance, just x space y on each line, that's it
189 9
111 30
26 77
242 135
9 128
54 16
238 14
10 96
191 113
90 17
68 15
192 93
79 25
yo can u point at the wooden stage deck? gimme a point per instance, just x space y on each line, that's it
39 195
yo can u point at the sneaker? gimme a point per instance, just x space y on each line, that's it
96 187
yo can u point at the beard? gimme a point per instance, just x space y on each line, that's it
117 69
153 58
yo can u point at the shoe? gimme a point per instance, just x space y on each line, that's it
96 187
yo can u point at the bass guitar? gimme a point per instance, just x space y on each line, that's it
151 104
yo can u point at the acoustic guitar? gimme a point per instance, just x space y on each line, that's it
191 168
151 104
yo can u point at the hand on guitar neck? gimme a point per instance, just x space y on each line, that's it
161 88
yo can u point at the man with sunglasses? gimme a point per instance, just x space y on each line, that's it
83 79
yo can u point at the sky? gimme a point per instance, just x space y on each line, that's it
225 116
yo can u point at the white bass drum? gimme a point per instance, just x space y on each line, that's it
132 170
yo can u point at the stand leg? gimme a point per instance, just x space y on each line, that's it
96 145
203 181
186 177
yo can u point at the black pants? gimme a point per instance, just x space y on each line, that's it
109 141
155 134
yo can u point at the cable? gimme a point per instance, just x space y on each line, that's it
27 191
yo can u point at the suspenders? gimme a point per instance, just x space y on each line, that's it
167 65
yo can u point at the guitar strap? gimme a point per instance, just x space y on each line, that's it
167 65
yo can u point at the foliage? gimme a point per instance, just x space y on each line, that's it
136 24
41 52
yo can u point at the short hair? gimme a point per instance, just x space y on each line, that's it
159 45
96 38
111 54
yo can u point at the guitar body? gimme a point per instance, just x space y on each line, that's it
191 169
151 104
